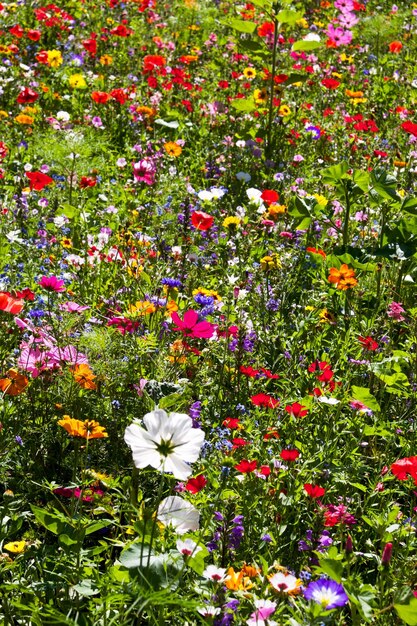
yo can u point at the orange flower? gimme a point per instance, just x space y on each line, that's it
343 278
89 429
172 148
14 384
395 47
84 376
236 581
9 304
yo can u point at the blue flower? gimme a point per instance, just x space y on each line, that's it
328 593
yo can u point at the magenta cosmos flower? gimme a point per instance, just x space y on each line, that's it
52 283
191 327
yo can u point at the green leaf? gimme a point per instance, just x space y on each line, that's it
361 179
244 105
362 394
98 525
68 210
289 17
305 44
86 588
169 401
362 597
410 205
243 26
408 612
54 522
332 175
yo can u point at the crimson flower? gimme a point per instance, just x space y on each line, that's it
153 62
289 455
405 467
269 374
296 409
100 97
27 96
314 491
246 467
231 422
194 485
338 515
191 327
201 220
410 127
52 283
238 442
330 83
38 180
270 196
265 470
262 399
368 343
248 370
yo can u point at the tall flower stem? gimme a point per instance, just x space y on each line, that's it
271 90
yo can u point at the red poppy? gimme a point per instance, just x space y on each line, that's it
231 422
267 28
100 97
33 35
410 127
405 467
314 491
289 455
194 485
265 470
153 62
246 467
201 220
262 399
368 343
270 196
395 47
8 304
38 180
330 83
90 45
27 96
296 409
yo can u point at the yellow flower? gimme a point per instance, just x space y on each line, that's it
260 96
16 547
237 581
207 292
106 59
172 149
274 210
270 262
326 317
24 119
321 200
54 58
232 221
89 429
77 81
249 72
344 57
142 308
4 114
303 23
66 243
284 110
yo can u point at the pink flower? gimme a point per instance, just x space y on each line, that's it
191 327
52 283
395 311
73 307
144 171
340 36
264 610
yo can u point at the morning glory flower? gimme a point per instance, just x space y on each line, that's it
328 593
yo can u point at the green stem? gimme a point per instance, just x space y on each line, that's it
271 89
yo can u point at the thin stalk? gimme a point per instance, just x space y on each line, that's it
271 88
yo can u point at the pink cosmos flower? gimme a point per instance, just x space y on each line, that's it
73 307
52 283
191 327
340 36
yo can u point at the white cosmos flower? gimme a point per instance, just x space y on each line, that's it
168 444
179 513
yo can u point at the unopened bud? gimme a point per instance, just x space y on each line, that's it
349 545
386 554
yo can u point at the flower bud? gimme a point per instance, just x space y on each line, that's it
349 545
386 554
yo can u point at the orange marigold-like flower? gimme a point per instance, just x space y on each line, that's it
172 149
344 278
84 376
89 429
14 384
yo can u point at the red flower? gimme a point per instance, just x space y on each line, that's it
289 455
90 45
296 409
194 485
16 31
267 28
38 180
314 491
405 467
410 127
338 515
270 196
153 62
395 47
368 343
33 35
269 374
262 399
119 94
238 442
246 467
121 31
316 251
26 294
271 434
330 83
231 422
201 220
27 96
8 304
100 97
248 370
87 181
265 470
191 327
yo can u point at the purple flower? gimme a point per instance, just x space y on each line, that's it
328 593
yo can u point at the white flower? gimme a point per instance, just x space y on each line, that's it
205 196
312 37
13 236
188 547
216 574
63 116
328 400
254 196
179 513
209 611
168 444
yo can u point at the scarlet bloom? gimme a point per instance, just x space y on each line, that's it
270 196
405 467
263 399
317 251
410 127
296 409
191 327
38 180
8 304
330 83
121 31
201 220
267 28
248 370
27 96
52 283
314 491
90 45
231 422
87 181
395 47
343 278
368 343
289 455
100 97
194 485
238 442
153 62
33 35
246 467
